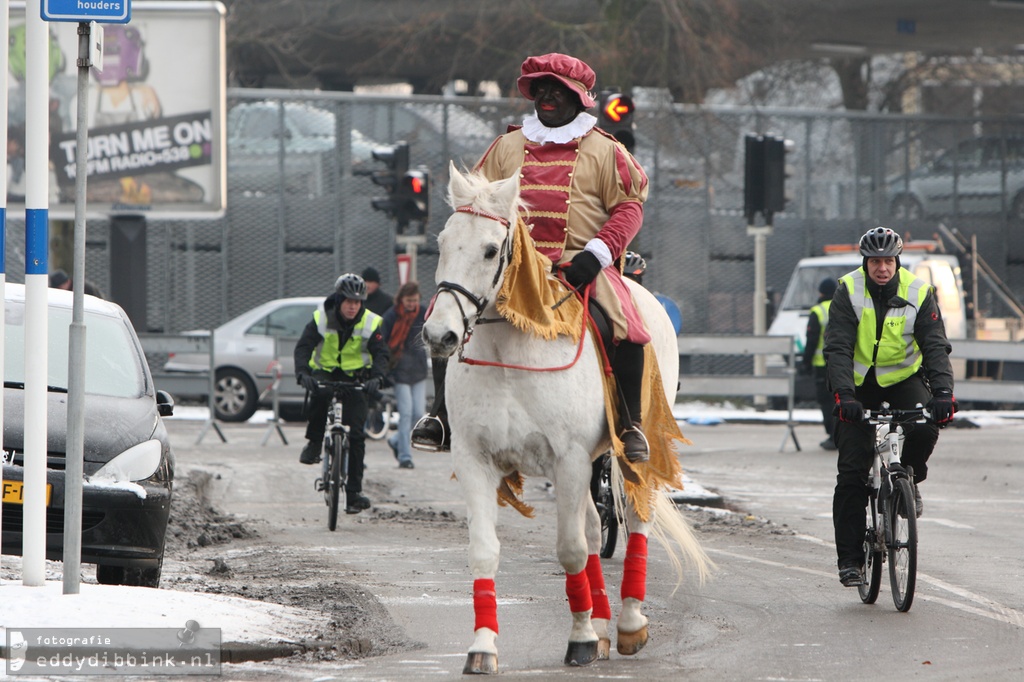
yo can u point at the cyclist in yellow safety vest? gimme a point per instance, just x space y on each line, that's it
885 342
814 357
342 342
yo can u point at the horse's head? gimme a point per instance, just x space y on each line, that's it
474 251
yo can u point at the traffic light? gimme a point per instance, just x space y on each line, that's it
753 176
616 117
412 198
776 170
396 161
764 176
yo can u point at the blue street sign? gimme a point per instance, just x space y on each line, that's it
101 11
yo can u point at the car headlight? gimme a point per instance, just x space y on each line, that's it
137 463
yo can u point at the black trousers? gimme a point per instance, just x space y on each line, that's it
825 400
354 410
856 444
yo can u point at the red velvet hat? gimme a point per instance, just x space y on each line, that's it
572 72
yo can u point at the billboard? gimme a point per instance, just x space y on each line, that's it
155 114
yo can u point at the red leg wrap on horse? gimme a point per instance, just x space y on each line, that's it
577 588
485 604
634 567
598 595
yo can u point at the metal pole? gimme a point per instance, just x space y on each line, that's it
410 249
4 58
760 235
37 264
974 281
75 450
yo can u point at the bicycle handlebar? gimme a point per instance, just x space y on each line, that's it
339 386
885 415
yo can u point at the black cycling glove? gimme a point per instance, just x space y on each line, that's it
942 406
848 407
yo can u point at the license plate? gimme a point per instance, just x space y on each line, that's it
14 492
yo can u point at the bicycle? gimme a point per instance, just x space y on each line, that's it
334 464
892 511
381 415
602 491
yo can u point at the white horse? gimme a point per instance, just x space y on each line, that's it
540 423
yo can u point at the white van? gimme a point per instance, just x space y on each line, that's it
940 269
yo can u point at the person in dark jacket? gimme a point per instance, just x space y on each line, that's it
376 299
342 342
402 328
885 342
814 357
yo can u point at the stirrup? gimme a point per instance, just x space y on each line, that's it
430 445
637 457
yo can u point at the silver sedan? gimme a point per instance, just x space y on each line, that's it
245 360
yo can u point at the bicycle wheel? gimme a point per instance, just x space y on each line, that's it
872 557
606 509
902 517
334 481
378 419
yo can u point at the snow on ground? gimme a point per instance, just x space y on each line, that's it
109 606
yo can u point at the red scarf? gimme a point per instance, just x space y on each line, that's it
399 332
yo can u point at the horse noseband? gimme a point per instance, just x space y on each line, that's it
479 303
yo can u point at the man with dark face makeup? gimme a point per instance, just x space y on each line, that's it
585 194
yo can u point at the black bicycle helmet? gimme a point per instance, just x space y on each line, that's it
881 242
351 286
634 264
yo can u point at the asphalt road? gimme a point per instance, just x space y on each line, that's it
774 609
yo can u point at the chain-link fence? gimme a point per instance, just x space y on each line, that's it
299 199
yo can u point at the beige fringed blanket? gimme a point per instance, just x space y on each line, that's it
526 299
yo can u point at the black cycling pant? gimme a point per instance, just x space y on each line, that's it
856 444
354 411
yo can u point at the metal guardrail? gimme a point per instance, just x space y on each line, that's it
989 390
742 384
183 382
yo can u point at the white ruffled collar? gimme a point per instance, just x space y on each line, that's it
536 131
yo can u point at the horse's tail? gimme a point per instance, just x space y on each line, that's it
673 531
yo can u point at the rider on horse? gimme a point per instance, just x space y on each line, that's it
585 194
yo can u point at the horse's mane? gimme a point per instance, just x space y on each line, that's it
482 195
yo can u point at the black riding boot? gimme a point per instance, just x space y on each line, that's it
431 432
628 368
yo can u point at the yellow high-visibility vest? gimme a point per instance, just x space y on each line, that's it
354 355
895 355
821 312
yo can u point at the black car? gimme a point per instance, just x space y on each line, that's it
128 464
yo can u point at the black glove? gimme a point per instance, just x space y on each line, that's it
306 380
582 269
848 407
942 406
372 386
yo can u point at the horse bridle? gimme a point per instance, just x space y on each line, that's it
480 303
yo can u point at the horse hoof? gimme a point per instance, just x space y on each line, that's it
629 643
604 649
481 663
581 653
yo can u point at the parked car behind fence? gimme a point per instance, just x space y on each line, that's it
244 359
